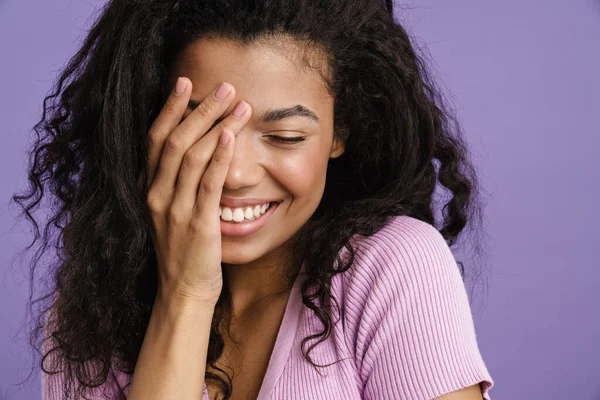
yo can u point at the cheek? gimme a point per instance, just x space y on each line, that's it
302 172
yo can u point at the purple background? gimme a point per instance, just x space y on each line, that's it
524 81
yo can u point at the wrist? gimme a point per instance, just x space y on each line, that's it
175 302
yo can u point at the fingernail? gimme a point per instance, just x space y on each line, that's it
225 136
222 91
180 86
240 109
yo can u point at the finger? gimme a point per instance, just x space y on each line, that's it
168 118
185 135
211 184
197 158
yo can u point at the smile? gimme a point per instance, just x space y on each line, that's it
243 213
245 220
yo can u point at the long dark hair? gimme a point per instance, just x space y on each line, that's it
401 141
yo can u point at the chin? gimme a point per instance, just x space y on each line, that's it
239 254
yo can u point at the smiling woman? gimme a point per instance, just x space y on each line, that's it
247 190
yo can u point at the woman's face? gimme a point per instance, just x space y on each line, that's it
263 167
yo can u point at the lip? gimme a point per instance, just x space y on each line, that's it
247 227
232 202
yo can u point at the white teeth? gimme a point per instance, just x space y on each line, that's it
238 215
226 214
241 214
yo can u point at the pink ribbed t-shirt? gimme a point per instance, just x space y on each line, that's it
404 330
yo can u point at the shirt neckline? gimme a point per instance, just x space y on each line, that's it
283 342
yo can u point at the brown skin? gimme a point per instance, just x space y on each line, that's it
266 77
184 158
468 393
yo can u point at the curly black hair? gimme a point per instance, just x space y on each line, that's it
401 139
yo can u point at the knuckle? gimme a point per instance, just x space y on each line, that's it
153 138
173 144
194 157
177 216
154 201
207 186
205 108
220 156
170 105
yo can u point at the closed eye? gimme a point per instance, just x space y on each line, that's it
287 139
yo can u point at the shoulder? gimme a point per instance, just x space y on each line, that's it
404 268
406 251
403 277
405 312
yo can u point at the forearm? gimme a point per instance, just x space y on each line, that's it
172 359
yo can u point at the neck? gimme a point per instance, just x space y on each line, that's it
261 281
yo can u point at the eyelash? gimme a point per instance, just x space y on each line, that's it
287 140
281 139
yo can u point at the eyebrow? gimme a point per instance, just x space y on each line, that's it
275 114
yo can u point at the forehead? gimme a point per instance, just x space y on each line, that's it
263 75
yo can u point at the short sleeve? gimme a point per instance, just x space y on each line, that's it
407 317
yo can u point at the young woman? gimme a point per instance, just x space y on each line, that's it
247 190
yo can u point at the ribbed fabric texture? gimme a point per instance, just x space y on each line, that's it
404 330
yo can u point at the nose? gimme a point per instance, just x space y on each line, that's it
245 169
